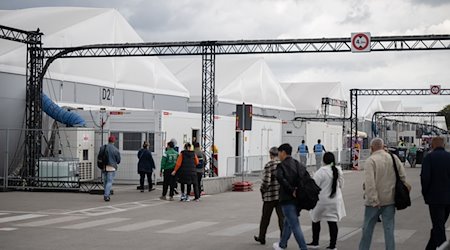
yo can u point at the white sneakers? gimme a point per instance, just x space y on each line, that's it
276 246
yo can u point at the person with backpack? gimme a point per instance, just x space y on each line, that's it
108 160
330 206
303 152
187 172
270 190
168 162
290 173
319 149
146 165
200 166
379 192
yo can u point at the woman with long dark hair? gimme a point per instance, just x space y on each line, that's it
330 206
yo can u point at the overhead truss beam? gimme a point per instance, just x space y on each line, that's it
21 36
278 46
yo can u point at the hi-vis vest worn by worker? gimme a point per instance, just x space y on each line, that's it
318 149
302 150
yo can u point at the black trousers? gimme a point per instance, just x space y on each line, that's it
149 179
196 188
168 182
199 179
332 225
268 207
439 216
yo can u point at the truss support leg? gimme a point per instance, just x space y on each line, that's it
33 108
208 104
353 123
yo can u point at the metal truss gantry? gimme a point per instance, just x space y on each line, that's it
208 50
381 118
33 113
208 103
354 93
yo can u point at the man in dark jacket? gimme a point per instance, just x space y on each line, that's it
109 172
435 179
288 175
146 165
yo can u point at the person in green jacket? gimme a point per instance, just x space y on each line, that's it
413 155
168 162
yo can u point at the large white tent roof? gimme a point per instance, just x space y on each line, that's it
307 96
238 80
67 26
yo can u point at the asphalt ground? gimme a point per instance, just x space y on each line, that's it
134 220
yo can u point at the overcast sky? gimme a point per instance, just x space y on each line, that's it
166 20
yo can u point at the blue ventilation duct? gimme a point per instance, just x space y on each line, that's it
70 119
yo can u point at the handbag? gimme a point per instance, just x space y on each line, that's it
402 198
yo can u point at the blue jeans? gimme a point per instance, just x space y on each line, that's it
291 225
108 178
370 219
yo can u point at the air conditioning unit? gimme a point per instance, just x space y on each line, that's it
79 143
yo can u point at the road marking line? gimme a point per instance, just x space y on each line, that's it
8 229
41 223
20 217
276 234
3 214
140 225
348 236
188 227
233 231
400 236
95 223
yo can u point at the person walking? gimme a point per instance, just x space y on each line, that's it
380 179
200 166
270 189
168 162
288 175
319 149
303 151
435 180
330 206
146 165
187 173
412 155
109 171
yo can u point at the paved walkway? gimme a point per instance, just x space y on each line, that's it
136 220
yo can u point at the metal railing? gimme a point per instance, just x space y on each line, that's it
67 160
250 165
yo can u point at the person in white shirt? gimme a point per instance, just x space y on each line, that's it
330 206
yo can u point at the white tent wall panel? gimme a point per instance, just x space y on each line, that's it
12 103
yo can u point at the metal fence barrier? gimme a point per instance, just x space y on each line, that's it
68 158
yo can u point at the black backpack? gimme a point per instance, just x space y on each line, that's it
102 158
307 192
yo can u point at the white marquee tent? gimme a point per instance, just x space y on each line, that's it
67 26
307 96
238 79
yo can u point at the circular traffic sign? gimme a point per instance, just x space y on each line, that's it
360 41
435 89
